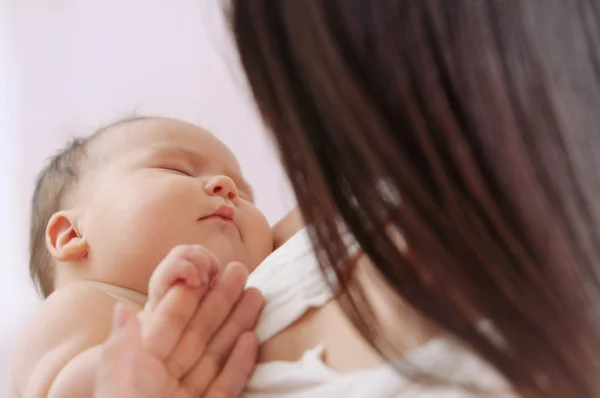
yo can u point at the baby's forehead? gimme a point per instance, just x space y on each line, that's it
156 135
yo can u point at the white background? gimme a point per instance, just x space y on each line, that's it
68 66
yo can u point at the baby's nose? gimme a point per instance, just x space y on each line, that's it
222 186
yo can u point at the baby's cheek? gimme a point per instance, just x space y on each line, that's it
260 238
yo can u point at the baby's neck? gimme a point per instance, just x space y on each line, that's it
121 293
118 292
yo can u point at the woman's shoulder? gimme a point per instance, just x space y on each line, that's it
437 369
454 368
287 227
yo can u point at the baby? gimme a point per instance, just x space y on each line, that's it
110 216
107 211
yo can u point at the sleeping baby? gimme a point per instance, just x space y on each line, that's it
113 215
106 212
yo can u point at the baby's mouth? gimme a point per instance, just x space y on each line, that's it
224 214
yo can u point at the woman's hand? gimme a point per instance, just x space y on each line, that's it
195 343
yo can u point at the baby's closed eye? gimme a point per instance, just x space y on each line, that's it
176 169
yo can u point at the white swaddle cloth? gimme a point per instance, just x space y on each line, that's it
292 283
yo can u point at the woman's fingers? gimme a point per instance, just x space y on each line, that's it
242 320
207 347
125 370
237 370
171 305
164 326
211 313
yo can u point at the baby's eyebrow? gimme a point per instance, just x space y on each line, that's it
177 151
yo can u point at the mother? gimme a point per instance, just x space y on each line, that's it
472 128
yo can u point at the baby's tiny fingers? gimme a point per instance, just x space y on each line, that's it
191 264
181 270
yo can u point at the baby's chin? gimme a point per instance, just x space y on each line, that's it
227 253
250 253
250 260
255 262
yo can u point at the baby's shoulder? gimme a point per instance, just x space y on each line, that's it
75 306
69 321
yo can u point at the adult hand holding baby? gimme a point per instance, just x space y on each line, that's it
195 338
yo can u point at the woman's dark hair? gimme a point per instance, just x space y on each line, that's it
483 117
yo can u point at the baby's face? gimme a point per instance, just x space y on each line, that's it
165 183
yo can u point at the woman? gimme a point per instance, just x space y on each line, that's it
483 117
471 127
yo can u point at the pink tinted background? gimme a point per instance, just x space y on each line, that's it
68 66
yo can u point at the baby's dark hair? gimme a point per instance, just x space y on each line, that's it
54 184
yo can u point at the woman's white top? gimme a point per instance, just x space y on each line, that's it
292 283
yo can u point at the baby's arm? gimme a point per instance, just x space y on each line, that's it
57 353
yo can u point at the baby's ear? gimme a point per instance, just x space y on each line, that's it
63 239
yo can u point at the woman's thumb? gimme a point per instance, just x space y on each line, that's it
116 368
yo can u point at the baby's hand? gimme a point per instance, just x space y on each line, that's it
191 265
176 286
201 328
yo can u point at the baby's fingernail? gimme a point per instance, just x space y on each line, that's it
119 316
